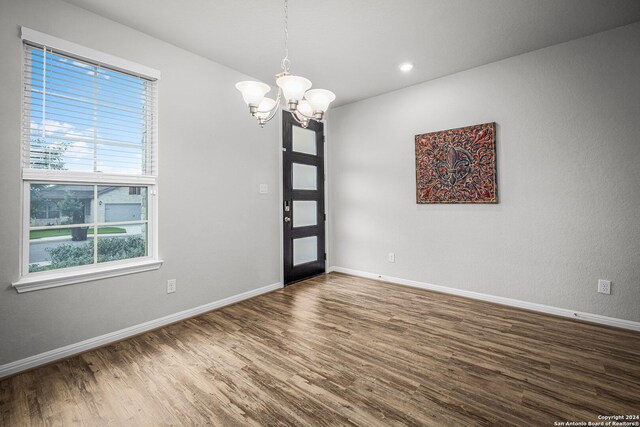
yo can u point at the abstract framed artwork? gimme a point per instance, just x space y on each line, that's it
457 165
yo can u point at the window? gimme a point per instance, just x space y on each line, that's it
89 164
45 211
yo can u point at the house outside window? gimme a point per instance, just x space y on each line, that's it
89 164
46 214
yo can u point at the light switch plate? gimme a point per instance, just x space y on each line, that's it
264 189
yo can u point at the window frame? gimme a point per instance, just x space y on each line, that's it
79 274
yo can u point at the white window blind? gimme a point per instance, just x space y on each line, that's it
86 117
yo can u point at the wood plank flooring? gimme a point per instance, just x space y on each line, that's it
339 350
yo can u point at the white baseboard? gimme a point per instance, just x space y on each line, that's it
587 317
82 346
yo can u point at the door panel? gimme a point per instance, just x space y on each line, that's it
303 195
305 213
305 249
304 141
304 176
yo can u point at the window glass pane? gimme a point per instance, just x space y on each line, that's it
56 248
118 159
121 204
305 250
84 117
304 177
115 245
53 153
60 204
304 213
304 140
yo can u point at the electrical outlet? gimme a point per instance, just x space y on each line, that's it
604 287
392 257
171 286
264 188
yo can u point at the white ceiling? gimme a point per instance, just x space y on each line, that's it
353 47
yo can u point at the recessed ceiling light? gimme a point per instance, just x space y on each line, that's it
406 66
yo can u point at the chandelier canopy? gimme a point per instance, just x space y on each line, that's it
303 102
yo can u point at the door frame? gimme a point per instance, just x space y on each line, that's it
281 213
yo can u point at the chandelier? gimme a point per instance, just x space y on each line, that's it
303 102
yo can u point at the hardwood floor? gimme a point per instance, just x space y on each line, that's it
340 350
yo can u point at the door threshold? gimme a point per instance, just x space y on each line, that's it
306 278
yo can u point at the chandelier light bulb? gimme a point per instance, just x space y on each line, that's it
320 99
293 87
253 92
305 108
265 107
264 110
304 112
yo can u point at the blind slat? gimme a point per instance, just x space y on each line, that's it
58 109
88 87
40 122
72 139
66 106
86 102
36 92
59 67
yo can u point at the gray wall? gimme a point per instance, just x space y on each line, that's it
568 121
218 236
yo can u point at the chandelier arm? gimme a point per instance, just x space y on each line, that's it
302 123
274 110
305 116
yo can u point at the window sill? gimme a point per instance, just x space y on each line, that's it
34 283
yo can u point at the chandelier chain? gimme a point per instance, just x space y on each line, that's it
286 63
